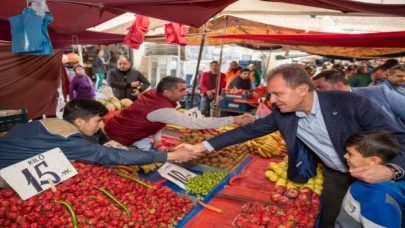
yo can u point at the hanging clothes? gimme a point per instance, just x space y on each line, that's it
136 32
176 34
30 33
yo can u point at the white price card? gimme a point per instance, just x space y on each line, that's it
31 176
175 174
194 112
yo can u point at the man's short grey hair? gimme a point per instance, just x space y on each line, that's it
168 83
293 74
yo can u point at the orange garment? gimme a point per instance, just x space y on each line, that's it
229 76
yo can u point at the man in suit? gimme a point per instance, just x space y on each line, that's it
390 101
396 79
373 78
315 125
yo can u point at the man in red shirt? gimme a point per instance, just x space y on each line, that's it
208 84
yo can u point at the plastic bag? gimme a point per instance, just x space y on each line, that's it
262 111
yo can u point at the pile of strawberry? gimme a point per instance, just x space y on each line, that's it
156 207
295 213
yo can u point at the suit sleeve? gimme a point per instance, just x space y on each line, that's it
145 82
79 148
397 104
113 83
256 129
373 117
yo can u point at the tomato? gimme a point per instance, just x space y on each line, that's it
31 218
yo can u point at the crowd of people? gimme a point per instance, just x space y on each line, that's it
351 122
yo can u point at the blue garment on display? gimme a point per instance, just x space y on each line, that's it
30 33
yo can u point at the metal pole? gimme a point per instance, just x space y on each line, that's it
268 62
198 66
218 82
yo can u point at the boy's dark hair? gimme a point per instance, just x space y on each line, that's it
381 144
83 108
168 83
244 70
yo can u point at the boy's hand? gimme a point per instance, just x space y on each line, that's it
372 173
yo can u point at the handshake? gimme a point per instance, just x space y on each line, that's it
244 119
185 152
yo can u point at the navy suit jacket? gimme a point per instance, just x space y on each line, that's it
344 114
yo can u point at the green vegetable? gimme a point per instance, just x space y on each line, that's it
203 184
122 205
71 211
133 179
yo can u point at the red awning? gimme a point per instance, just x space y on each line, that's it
72 17
348 6
376 40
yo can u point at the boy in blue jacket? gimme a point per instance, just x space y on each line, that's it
372 205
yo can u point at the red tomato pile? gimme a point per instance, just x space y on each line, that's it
295 213
155 208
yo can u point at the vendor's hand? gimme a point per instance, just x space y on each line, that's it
372 173
181 155
135 84
210 94
244 119
196 149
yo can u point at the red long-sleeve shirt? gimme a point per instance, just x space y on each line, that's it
205 84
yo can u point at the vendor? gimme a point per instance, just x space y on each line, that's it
156 108
242 81
81 117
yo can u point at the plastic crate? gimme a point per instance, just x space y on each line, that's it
230 104
186 103
7 122
245 96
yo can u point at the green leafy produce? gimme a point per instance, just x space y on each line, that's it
201 185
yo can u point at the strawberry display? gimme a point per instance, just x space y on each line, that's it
294 213
96 197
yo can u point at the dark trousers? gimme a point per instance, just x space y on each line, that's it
335 187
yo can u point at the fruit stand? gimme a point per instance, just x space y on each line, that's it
244 185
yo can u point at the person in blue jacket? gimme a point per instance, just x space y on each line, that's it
372 205
315 126
81 117
396 79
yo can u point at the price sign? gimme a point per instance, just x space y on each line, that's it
31 176
194 112
175 174
115 144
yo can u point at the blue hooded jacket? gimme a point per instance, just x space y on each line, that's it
372 205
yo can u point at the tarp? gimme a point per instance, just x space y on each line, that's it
72 17
350 6
64 41
28 81
373 40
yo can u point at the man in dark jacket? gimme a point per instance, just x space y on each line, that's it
125 81
315 125
81 117
242 81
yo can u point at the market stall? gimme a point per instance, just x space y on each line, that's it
243 185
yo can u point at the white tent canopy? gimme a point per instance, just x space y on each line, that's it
285 15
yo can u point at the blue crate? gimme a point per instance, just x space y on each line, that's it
245 96
231 105
186 103
7 122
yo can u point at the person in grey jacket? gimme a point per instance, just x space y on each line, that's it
390 101
125 81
